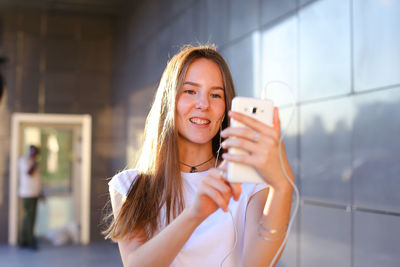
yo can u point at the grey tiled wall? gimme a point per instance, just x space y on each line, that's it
68 56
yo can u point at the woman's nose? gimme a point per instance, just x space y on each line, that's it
202 101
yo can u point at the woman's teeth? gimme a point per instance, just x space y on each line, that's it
199 121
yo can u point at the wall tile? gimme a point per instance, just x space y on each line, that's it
28 108
60 87
117 122
377 150
29 91
10 22
324 49
376 38
325 150
376 240
179 6
155 56
240 58
142 24
9 95
325 238
30 23
9 47
61 27
218 21
189 27
5 122
61 55
200 16
31 49
272 9
95 55
279 62
61 108
100 158
4 164
93 88
244 17
95 28
304 2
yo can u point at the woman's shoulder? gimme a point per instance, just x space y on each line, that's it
251 189
122 181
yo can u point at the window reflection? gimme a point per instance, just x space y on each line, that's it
376 44
52 157
324 49
279 61
325 150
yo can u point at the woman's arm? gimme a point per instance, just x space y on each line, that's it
161 250
268 211
276 206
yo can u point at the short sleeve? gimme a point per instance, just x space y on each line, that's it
121 182
251 189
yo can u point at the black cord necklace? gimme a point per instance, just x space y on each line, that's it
194 168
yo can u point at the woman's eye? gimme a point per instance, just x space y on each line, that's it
190 92
216 96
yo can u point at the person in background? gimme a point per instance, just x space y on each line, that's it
29 191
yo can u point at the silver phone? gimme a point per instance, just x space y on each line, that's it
261 110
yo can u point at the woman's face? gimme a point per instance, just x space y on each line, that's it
201 102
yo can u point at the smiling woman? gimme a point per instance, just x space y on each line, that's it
171 209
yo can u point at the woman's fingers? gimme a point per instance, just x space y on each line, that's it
220 190
236 190
215 196
223 165
219 184
250 134
254 126
241 143
276 120
240 158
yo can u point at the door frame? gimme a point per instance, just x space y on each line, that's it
85 122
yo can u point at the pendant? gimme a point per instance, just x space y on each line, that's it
193 169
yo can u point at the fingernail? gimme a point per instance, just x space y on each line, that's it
223 144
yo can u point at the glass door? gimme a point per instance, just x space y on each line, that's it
56 210
65 164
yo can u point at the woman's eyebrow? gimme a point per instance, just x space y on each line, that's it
198 85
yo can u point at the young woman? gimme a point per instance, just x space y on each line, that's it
172 209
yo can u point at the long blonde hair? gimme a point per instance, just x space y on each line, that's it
159 182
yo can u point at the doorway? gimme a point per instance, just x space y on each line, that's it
65 159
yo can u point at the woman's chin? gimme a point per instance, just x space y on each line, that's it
199 140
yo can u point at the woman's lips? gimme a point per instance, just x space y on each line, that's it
200 121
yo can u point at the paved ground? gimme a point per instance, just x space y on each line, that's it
96 255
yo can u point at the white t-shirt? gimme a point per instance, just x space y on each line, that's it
213 239
29 185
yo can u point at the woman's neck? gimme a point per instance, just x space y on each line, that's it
195 157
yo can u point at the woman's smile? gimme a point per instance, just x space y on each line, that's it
198 121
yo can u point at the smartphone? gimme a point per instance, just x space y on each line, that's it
261 110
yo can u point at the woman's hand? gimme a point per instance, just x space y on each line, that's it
262 143
214 192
